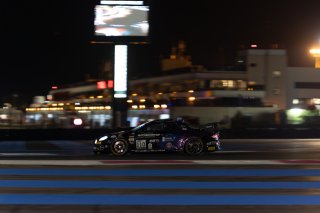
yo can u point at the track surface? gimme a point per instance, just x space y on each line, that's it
248 176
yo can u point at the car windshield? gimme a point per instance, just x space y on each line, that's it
140 126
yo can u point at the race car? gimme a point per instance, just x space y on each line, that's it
162 135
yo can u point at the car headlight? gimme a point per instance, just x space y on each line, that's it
97 142
103 138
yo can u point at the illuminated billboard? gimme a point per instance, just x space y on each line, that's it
114 21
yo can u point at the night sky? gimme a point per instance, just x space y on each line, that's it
47 42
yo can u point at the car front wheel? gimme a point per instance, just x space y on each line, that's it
193 146
119 147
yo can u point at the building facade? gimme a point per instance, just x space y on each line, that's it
260 83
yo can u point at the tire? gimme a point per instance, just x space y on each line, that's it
193 146
119 147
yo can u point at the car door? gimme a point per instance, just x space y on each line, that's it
171 135
150 137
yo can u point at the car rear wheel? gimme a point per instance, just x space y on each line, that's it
193 146
119 147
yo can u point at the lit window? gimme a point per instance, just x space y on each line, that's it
227 83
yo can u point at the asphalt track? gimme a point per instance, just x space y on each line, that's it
247 176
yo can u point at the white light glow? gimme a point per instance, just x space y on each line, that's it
316 101
4 116
120 95
295 101
122 2
120 71
77 121
315 52
296 111
164 116
164 106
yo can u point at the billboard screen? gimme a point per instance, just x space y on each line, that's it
121 21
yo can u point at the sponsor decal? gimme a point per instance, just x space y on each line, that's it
148 135
211 148
168 145
131 139
167 139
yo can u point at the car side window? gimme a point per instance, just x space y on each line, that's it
171 126
155 127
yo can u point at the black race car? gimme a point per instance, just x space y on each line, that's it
161 135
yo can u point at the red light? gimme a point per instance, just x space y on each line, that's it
101 85
110 84
254 46
54 87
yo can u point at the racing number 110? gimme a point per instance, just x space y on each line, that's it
141 144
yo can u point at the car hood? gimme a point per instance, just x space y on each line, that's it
116 134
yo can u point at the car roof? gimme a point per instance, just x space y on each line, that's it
164 120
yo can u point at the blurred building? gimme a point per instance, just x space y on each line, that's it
64 106
260 83
10 117
256 84
303 84
261 75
